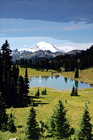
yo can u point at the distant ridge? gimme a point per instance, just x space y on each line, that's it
73 52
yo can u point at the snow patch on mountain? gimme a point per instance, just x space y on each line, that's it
44 47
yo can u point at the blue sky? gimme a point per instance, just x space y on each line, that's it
68 24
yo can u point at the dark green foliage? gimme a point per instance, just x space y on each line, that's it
3 115
13 87
20 90
76 84
26 82
58 125
43 128
11 125
77 73
74 91
85 132
44 92
6 61
37 93
32 128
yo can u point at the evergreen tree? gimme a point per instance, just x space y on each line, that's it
85 132
31 128
20 90
73 90
76 92
6 75
76 84
12 86
3 115
11 125
42 128
26 82
44 92
59 126
77 73
37 93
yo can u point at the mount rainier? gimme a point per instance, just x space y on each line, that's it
44 47
39 50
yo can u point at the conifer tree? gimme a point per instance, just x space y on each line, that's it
73 90
58 124
44 92
85 132
42 128
11 125
77 73
20 90
76 92
37 93
31 128
26 82
12 86
3 115
6 67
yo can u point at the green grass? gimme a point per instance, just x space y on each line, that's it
75 107
34 72
84 75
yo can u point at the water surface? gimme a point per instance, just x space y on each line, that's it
57 82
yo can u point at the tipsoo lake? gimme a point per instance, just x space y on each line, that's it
56 82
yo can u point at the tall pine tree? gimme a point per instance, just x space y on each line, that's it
31 128
6 67
77 73
11 125
20 90
58 125
85 132
26 82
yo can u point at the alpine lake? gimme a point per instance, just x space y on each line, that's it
56 82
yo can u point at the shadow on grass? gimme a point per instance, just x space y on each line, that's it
32 102
36 97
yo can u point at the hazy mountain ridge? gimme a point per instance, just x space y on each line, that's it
37 54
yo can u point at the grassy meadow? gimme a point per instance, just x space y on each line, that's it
46 103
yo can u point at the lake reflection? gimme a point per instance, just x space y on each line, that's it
57 82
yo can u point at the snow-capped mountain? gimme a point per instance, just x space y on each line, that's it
44 47
39 50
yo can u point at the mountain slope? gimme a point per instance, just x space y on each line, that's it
44 47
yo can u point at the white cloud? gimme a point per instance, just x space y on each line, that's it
74 46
